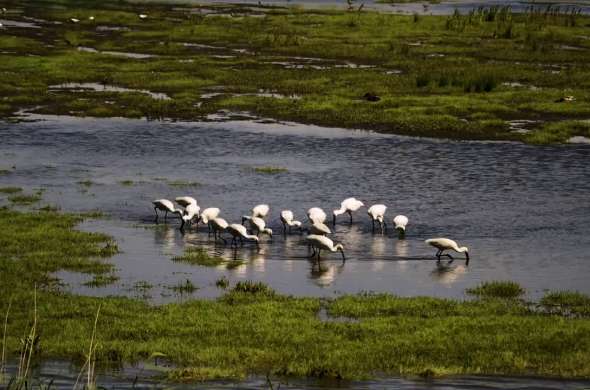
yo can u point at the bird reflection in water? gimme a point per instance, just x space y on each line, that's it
378 249
448 274
401 250
324 274
259 261
165 236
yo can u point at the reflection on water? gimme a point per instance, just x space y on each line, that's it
505 201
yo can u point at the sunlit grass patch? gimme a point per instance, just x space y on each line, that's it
497 289
270 170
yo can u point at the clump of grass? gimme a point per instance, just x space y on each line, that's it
270 170
222 282
251 287
183 183
232 264
143 285
10 190
93 214
126 182
4 171
86 183
101 280
199 256
49 208
25 199
562 131
564 302
497 289
186 287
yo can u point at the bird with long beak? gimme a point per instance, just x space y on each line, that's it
239 232
288 219
347 206
400 222
166 206
319 243
258 226
443 244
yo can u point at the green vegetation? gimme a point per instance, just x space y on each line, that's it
182 183
25 199
10 190
566 302
497 289
270 170
86 183
126 182
254 330
101 280
186 287
464 76
222 282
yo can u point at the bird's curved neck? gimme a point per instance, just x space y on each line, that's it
341 210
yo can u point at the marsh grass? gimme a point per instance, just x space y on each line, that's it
497 289
199 256
182 183
126 183
566 302
25 199
101 280
10 190
270 170
222 282
86 183
186 287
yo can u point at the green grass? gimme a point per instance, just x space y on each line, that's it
186 287
25 199
253 330
10 190
459 76
497 289
183 183
86 183
566 302
101 280
127 183
269 170
199 256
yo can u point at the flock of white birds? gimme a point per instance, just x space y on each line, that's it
317 231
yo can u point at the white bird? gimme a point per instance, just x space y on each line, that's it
167 207
219 225
142 16
348 205
190 211
185 200
319 229
318 243
288 219
260 211
207 215
315 214
91 18
400 222
74 20
443 244
257 224
377 213
239 232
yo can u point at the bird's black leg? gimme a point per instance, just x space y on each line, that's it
450 257
372 225
156 211
350 215
382 227
166 216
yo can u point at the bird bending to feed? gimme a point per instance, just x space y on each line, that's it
400 222
142 16
288 219
319 228
207 215
443 244
219 225
167 207
376 213
190 212
347 206
239 232
185 200
258 225
318 243
260 211
315 214
74 20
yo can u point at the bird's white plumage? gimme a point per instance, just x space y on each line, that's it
319 228
74 20
400 222
442 244
260 210
349 205
288 218
209 213
377 212
142 16
259 225
219 224
237 230
315 214
323 242
191 211
165 205
185 200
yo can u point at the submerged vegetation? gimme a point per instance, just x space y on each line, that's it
497 289
464 76
254 330
269 170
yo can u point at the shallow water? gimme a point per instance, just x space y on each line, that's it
98 87
524 211
64 375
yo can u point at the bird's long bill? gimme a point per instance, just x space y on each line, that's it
343 257
466 258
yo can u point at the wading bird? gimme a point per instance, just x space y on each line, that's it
74 20
142 16
347 206
315 214
239 232
443 244
167 207
219 225
258 225
400 222
376 213
260 211
288 219
185 200
319 228
190 211
318 243
207 215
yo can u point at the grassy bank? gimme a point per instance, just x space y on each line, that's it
460 76
254 330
